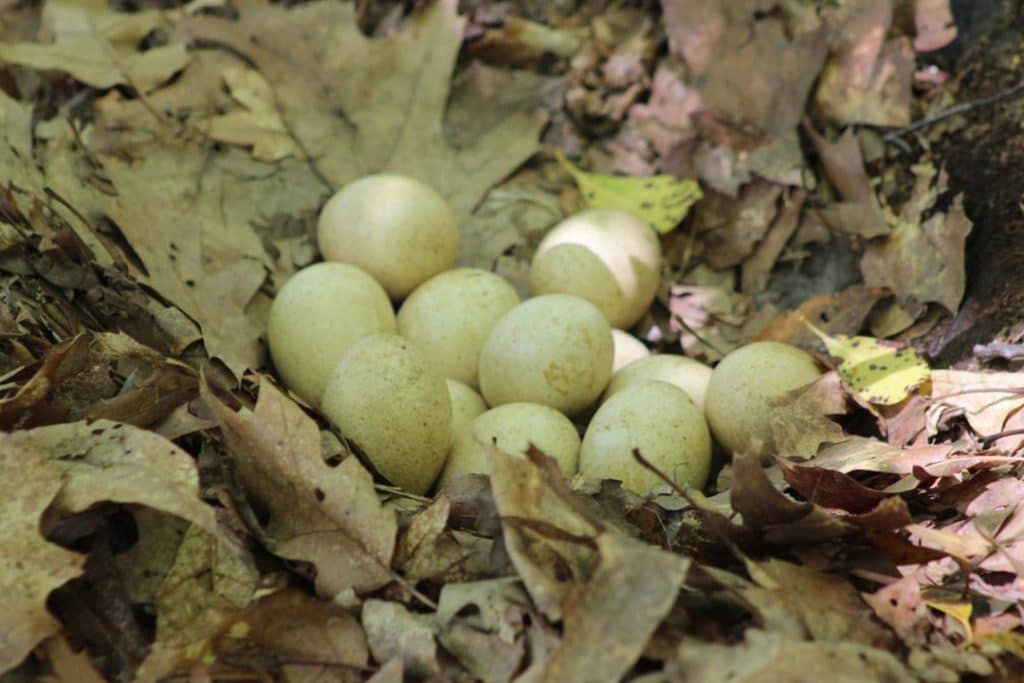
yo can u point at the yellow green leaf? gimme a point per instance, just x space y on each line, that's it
961 611
1010 641
877 372
661 200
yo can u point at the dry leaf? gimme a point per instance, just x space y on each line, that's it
99 46
330 517
774 657
375 86
867 79
393 632
30 566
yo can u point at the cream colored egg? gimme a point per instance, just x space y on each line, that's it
744 385
450 315
467 405
397 229
627 349
386 399
513 427
660 421
316 317
689 375
555 350
609 257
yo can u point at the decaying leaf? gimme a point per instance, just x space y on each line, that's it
330 517
877 372
374 85
661 200
770 656
30 567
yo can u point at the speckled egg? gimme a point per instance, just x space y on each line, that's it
689 375
513 427
555 350
609 257
450 315
659 420
743 387
318 314
385 398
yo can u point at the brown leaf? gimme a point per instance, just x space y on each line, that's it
922 262
626 598
731 227
805 603
757 269
991 402
775 657
867 79
428 549
772 514
729 43
309 640
112 461
393 632
330 517
551 544
30 566
799 422
830 488
374 85
489 640
841 313
938 460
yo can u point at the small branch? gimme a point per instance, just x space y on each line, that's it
894 136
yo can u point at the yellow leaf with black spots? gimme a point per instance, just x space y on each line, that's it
661 200
876 371
961 611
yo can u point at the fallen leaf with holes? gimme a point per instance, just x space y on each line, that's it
661 200
330 517
878 372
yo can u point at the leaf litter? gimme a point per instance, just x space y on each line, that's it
170 512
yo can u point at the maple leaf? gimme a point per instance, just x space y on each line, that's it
365 105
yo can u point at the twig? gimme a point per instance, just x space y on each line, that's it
988 440
894 136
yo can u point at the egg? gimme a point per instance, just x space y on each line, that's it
554 349
388 401
609 257
450 315
689 375
660 421
466 406
513 427
396 228
743 388
318 314
627 349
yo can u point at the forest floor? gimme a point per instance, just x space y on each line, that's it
169 511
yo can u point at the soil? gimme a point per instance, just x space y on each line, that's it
985 161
